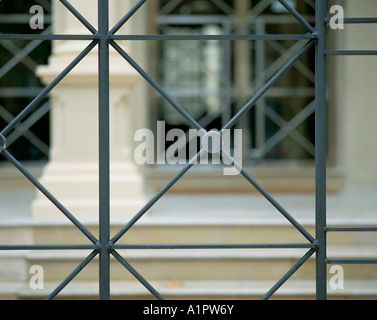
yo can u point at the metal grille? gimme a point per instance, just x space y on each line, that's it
104 247
19 84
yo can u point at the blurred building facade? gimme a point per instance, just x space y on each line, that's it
211 80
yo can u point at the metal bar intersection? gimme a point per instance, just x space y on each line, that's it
104 246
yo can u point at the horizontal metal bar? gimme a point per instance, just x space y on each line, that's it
215 37
355 20
21 54
20 92
192 19
351 229
351 52
48 37
351 261
50 247
21 18
216 246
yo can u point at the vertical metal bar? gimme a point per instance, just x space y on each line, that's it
104 150
320 149
227 94
260 124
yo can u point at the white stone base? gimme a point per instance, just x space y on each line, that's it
76 187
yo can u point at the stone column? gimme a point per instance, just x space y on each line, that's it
72 172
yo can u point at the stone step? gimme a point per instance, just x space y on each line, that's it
244 264
205 289
158 231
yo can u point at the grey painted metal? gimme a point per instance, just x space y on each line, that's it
233 37
320 149
277 205
351 261
78 37
21 55
158 196
72 275
47 90
104 149
351 229
137 275
104 247
50 247
291 271
356 20
217 246
79 16
287 6
48 195
157 87
267 86
23 128
127 16
3 142
351 52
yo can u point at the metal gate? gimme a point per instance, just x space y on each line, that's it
104 247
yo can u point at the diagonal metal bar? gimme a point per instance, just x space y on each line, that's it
257 9
284 55
127 16
57 204
156 86
268 85
21 55
288 274
74 273
269 198
23 128
289 128
137 275
47 90
170 6
223 6
156 197
79 16
287 6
